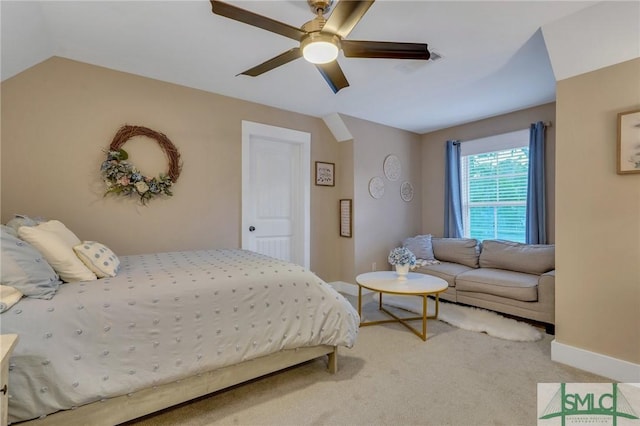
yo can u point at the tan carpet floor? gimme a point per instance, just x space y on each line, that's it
391 377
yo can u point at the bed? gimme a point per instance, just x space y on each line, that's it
167 328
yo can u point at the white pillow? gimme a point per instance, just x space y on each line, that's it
58 228
55 241
98 258
9 296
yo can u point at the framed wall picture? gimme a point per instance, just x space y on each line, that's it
325 174
629 142
346 217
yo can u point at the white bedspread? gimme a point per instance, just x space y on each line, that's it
165 317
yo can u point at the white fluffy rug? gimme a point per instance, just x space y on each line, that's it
469 318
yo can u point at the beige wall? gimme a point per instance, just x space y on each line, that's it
381 224
598 216
345 181
59 116
433 160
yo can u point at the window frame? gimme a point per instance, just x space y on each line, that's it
491 144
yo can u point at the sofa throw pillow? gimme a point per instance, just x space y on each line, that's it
464 251
528 258
25 269
420 245
55 241
98 258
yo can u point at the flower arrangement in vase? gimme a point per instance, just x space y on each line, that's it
403 259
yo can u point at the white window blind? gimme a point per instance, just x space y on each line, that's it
494 186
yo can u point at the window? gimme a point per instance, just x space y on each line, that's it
494 186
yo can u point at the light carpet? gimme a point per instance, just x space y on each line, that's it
470 318
392 377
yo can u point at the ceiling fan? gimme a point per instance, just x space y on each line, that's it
321 39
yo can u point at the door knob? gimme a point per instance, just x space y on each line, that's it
252 228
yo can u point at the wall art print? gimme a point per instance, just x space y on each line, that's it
629 142
325 174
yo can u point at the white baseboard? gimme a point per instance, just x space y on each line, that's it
603 365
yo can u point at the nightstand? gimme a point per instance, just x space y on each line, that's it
7 343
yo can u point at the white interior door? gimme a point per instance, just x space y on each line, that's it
275 192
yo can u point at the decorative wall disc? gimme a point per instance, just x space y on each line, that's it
376 187
392 167
406 191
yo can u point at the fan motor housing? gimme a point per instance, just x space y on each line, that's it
317 36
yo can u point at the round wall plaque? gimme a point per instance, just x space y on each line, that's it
392 167
376 187
406 191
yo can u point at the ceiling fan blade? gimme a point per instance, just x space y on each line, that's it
384 49
345 16
242 15
274 62
333 75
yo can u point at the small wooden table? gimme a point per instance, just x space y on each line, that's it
414 284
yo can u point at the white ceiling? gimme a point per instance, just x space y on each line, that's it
494 58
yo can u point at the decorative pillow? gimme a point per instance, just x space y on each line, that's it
58 228
24 268
528 258
457 250
21 220
98 258
9 296
420 245
55 241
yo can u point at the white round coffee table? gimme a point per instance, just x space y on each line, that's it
414 284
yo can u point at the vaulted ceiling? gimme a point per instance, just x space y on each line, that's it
494 58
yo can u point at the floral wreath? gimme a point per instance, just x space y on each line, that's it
123 178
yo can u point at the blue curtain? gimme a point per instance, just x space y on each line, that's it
536 226
452 192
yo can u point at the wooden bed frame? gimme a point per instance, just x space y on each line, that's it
128 407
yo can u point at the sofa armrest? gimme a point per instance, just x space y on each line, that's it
547 290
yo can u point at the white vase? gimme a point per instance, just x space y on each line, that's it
402 271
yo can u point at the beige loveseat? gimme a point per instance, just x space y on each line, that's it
503 276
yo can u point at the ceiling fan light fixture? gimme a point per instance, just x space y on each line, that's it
320 48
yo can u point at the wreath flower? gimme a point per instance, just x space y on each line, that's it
122 178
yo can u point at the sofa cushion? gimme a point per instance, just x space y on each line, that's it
509 284
548 278
457 250
512 256
445 270
420 245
